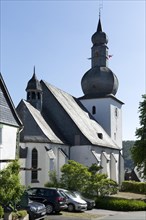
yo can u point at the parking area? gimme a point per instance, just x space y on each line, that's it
98 214
87 215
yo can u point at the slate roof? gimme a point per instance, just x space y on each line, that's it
75 114
8 114
35 127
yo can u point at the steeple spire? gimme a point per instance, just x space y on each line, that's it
34 70
99 27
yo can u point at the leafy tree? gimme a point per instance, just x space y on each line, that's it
54 182
87 180
99 184
75 176
139 149
10 187
94 168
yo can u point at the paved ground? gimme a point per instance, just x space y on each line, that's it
87 215
99 214
141 215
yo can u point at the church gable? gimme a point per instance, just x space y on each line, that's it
35 127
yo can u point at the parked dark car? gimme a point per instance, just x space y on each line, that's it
90 202
50 197
35 210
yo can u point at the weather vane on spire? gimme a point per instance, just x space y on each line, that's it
100 7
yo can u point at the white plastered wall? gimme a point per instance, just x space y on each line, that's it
105 116
45 163
8 143
84 155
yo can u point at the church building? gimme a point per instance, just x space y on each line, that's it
59 127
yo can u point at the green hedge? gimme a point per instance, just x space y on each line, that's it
134 187
120 204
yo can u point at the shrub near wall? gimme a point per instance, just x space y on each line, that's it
134 187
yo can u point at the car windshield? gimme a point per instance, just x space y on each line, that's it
31 191
70 194
77 193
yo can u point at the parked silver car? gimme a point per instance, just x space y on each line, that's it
74 203
90 202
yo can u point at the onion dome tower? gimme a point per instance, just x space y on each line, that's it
34 92
99 81
100 85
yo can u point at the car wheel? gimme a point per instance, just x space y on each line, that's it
89 207
71 208
49 208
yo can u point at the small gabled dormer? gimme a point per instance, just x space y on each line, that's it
34 92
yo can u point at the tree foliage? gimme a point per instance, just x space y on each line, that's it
75 176
10 186
54 182
87 180
128 162
139 149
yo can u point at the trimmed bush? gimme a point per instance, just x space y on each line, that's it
120 204
134 187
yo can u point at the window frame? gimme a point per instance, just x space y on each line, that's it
34 165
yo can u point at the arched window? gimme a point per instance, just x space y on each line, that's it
38 94
93 110
116 112
28 96
33 95
34 165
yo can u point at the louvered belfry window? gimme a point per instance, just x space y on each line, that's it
93 110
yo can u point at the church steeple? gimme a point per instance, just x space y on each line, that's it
34 92
99 81
99 54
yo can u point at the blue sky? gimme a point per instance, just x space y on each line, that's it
55 36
